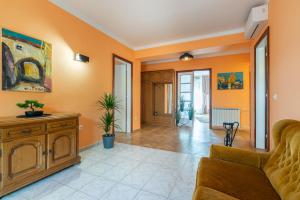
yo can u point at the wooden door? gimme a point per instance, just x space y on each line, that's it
23 158
62 147
158 98
163 104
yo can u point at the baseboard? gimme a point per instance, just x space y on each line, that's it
89 146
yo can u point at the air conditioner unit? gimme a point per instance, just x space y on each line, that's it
257 19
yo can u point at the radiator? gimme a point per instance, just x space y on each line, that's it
221 115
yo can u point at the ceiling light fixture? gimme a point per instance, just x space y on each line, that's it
186 57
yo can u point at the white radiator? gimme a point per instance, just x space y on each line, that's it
221 115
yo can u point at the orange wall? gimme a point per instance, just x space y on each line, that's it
230 98
173 49
284 61
76 86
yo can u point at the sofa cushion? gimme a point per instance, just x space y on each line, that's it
237 180
283 167
205 193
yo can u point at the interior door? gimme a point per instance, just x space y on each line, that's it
163 104
122 92
185 93
261 94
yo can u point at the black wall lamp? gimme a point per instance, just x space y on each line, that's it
81 58
186 57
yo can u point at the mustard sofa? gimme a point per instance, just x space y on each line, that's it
232 174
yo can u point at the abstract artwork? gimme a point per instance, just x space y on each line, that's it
26 63
230 81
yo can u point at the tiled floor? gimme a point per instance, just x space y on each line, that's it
123 173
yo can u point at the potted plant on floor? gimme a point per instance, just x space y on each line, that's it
191 111
178 117
108 104
181 104
33 105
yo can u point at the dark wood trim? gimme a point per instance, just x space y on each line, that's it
267 108
114 56
210 90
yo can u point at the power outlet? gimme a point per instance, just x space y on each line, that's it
80 127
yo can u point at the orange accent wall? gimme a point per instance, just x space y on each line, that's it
163 51
76 86
221 98
284 60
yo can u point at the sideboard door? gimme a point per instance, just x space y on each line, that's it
23 158
62 147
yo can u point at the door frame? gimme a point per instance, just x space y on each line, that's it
210 90
267 82
114 56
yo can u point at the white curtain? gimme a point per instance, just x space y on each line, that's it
205 94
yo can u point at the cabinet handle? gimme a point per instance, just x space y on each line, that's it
44 153
50 151
26 131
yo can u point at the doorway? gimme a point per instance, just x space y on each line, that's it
122 90
262 92
194 98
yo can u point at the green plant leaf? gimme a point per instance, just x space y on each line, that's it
30 104
109 104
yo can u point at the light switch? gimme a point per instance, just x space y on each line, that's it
275 97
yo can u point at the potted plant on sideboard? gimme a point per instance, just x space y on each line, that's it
33 105
108 104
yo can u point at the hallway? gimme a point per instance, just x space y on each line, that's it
185 139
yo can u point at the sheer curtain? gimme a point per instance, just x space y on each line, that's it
205 94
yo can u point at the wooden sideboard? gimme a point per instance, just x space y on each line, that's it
33 148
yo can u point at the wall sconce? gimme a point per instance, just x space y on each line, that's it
81 58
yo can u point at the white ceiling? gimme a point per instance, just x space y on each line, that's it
142 24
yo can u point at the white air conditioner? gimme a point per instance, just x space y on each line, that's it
257 19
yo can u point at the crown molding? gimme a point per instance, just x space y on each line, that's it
193 38
75 12
228 53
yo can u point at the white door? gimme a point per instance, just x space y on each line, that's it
261 97
122 92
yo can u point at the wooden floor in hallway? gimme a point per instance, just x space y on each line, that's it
196 139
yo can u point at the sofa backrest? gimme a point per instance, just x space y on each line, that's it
283 167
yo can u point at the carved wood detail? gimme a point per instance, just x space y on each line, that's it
26 145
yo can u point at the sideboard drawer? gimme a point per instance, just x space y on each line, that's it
61 125
23 131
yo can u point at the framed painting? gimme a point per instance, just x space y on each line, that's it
26 63
230 81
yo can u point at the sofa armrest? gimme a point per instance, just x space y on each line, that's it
250 158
